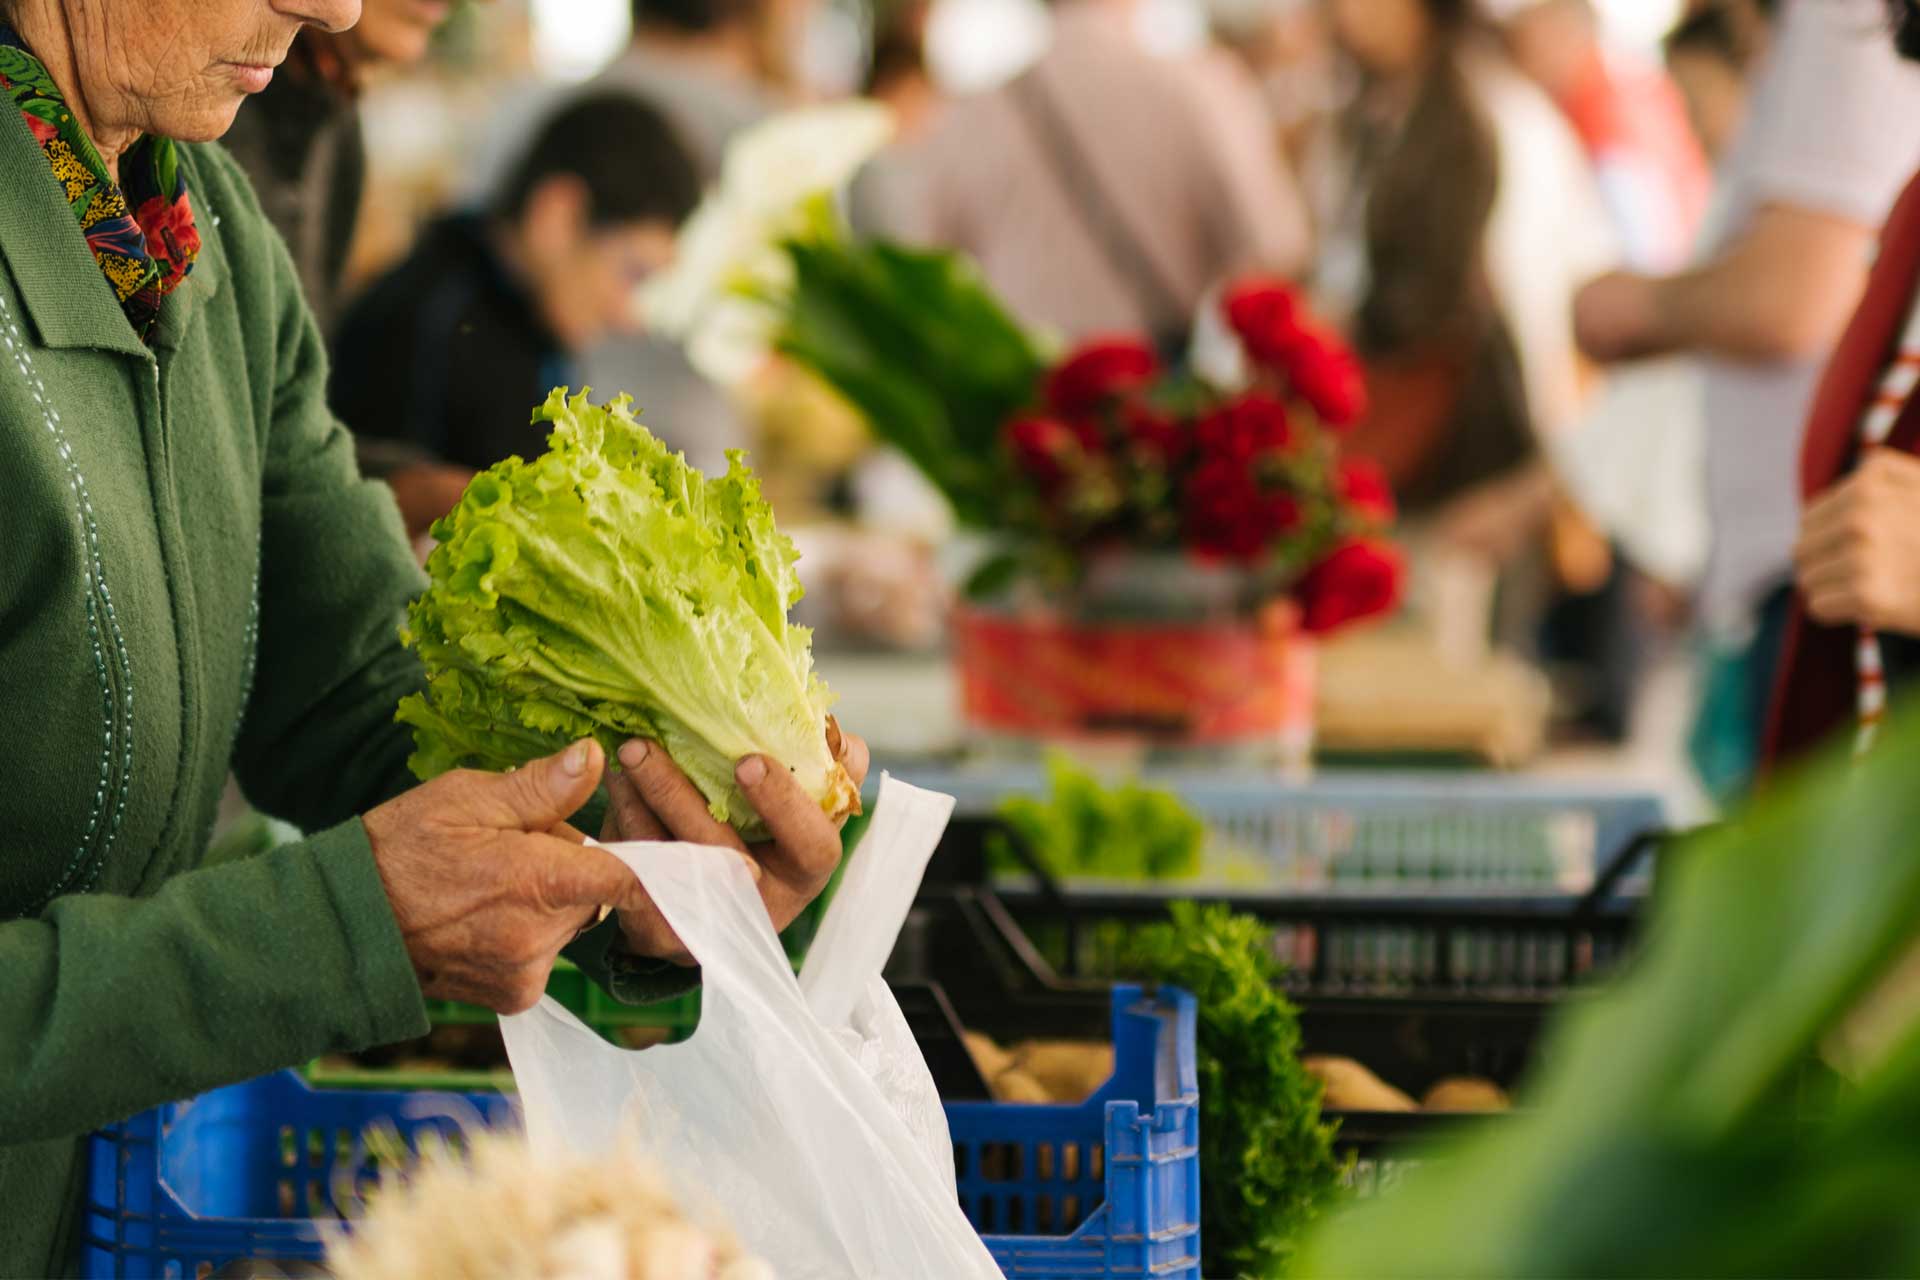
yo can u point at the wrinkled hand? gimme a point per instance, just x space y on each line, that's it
650 799
486 880
1613 317
1858 557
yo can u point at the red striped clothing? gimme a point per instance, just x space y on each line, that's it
1896 389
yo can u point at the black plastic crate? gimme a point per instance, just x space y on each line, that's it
1416 987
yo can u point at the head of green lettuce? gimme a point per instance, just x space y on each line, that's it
608 589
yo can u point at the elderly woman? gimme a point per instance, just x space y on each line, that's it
195 578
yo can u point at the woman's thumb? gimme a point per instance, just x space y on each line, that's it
546 792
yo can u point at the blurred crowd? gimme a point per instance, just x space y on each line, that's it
1594 280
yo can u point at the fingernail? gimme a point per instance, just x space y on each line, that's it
633 753
574 763
751 771
753 868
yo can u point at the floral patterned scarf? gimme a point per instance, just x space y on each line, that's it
141 233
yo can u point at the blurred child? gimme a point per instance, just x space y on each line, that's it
452 349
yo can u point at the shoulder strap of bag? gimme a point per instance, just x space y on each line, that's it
1167 316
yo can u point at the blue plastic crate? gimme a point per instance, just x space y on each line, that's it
242 1172
1108 1188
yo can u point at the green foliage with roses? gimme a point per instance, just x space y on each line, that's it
1104 449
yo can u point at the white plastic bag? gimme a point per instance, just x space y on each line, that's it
802 1110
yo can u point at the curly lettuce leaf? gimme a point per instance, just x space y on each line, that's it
609 589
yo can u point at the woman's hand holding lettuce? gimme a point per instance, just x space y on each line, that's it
650 799
608 590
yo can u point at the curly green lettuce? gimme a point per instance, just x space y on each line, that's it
608 589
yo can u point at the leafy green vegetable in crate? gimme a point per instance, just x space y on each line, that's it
609 589
1127 832
1672 1130
1267 1167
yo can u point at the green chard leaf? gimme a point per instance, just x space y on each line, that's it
922 349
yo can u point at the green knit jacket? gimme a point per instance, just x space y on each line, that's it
193 578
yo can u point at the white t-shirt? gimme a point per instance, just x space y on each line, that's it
1834 128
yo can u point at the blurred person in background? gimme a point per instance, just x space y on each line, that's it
1455 211
1853 635
300 139
450 351
1107 188
1655 182
705 64
897 72
898 77
1632 121
1834 131
713 67
301 143
1285 45
1712 56
1457 214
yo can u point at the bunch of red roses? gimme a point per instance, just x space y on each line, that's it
1119 454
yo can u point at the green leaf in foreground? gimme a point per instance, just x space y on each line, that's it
608 589
1267 1167
1669 1133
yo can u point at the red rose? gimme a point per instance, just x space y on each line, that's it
1087 433
1160 437
1222 510
1265 314
1099 371
1358 580
1229 515
1254 423
1326 375
1042 447
1364 490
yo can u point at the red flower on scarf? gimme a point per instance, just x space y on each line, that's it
1360 579
1098 372
172 238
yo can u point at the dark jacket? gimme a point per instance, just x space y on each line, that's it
300 143
1449 400
448 353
